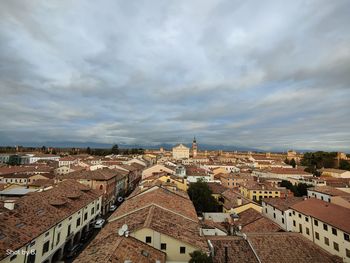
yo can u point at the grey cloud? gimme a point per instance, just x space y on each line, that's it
261 74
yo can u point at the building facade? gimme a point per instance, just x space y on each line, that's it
181 152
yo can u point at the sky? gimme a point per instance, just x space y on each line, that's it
264 74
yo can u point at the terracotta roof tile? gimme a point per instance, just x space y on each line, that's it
163 221
115 249
238 250
283 204
35 213
287 247
329 190
217 188
329 213
252 221
180 203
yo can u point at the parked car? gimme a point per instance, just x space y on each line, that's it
74 250
99 223
87 235
112 208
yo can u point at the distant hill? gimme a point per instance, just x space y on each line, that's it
167 146
69 144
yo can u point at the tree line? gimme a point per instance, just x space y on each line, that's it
115 150
317 160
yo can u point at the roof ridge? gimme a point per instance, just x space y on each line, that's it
149 217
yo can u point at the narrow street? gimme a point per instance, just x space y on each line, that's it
94 234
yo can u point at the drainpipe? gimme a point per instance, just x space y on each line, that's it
252 248
312 229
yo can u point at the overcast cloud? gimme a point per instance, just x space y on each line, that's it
264 74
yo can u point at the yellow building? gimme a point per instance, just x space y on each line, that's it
160 218
257 191
181 183
166 179
234 202
219 170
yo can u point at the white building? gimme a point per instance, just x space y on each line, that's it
181 152
325 193
278 210
47 223
4 158
325 224
228 168
33 158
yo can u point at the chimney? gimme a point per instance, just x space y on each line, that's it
226 254
9 204
239 201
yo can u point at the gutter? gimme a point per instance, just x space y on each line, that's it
252 248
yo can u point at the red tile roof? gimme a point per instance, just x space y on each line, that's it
163 221
329 190
287 247
252 221
110 247
99 174
217 188
238 250
332 214
178 203
37 213
283 204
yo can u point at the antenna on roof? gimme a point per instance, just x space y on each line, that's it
123 231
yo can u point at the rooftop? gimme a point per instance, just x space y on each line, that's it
17 191
287 247
161 220
36 213
283 204
332 170
332 214
329 190
99 174
111 247
252 221
217 188
234 199
180 203
238 250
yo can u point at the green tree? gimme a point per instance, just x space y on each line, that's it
286 161
293 163
298 190
115 149
319 159
202 198
88 150
199 257
344 165
302 189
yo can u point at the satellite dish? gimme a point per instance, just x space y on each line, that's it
121 232
125 227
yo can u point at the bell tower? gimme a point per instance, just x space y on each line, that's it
194 148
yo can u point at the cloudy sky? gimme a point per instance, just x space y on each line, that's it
264 74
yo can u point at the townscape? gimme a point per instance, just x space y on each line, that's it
152 131
153 207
